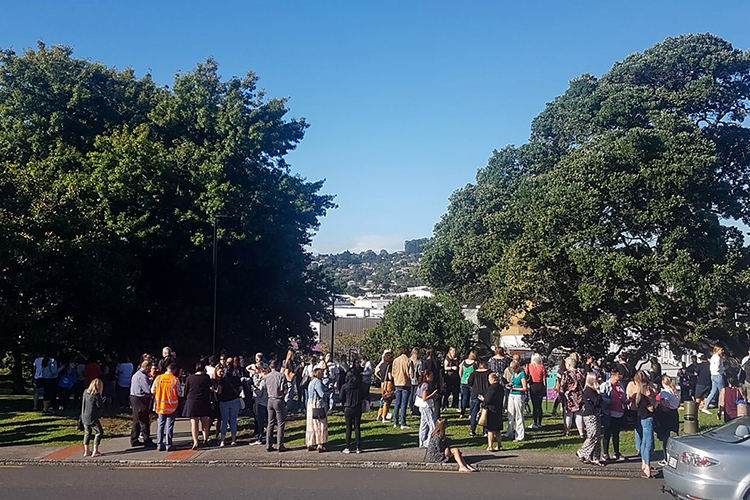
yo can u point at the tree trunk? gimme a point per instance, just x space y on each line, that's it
18 384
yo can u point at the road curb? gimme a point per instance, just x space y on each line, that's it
281 464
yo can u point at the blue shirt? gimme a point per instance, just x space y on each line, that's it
316 391
139 386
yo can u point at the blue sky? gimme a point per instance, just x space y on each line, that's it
406 99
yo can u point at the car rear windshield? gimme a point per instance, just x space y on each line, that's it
736 431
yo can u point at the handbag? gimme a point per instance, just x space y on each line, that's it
318 412
66 382
483 417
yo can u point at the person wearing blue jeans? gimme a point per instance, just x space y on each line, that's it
165 431
643 402
229 412
717 377
402 403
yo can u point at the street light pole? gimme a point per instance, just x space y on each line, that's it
216 276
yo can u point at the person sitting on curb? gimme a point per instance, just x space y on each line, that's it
439 452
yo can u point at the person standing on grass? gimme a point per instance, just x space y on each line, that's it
614 404
198 403
384 372
667 418
479 381
351 400
228 394
573 384
123 373
451 378
439 451
731 400
92 404
591 450
316 430
140 401
403 371
684 380
50 373
494 398
433 364
716 367
518 389
166 402
427 394
464 372
537 374
277 387
416 362
260 408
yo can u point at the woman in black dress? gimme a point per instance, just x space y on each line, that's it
493 403
198 402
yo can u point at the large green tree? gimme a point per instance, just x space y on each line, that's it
610 226
109 186
425 323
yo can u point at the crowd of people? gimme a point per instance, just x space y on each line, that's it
597 402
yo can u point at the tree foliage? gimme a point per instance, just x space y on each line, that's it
610 226
422 322
109 186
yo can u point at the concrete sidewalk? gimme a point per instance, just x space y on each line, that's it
117 452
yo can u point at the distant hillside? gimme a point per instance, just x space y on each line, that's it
358 273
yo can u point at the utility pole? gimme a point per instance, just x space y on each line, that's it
216 276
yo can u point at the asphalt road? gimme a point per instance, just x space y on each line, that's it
226 483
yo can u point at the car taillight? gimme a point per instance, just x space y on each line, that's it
696 460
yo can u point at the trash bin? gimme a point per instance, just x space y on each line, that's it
691 418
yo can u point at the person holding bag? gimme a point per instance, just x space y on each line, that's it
316 431
492 413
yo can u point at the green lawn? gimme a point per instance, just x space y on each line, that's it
19 425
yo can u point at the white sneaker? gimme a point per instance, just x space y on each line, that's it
395 426
345 451
405 427
705 411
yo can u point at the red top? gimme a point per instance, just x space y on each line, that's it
92 371
537 373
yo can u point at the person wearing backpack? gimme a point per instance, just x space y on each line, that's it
467 368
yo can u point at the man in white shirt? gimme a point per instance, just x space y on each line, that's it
745 374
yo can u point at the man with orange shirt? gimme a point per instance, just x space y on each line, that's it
165 394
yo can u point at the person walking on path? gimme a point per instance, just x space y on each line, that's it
351 400
518 388
403 371
451 377
537 374
198 403
316 431
494 398
614 404
427 394
439 451
591 450
479 381
166 402
277 387
228 395
464 372
123 374
91 410
716 366
701 371
140 401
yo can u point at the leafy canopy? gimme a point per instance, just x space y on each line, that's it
610 226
